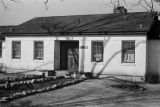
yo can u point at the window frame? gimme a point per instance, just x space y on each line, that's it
92 60
34 50
122 60
13 57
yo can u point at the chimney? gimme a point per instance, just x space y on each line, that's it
141 26
44 20
10 29
120 9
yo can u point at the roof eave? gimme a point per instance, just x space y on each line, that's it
78 33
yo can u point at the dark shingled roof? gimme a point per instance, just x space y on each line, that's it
130 22
154 33
5 28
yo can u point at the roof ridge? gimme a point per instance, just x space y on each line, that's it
87 14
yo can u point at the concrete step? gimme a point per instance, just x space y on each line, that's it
61 72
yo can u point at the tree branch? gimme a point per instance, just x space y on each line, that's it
45 3
4 4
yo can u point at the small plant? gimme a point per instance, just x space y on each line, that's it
129 86
153 79
7 85
21 77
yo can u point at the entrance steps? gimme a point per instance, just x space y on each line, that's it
66 73
61 72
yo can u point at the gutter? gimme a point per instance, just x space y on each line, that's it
125 33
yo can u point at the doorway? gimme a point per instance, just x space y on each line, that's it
69 55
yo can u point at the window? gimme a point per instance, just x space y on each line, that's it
16 49
38 50
128 51
0 49
97 51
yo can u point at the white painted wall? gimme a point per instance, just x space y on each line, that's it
112 54
27 62
112 57
2 60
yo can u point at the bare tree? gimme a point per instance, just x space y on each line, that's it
114 3
45 3
4 3
148 5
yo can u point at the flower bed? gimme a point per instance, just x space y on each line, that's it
20 77
36 86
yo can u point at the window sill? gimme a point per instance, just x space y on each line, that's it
16 60
38 60
128 64
98 63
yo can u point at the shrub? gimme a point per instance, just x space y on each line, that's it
7 85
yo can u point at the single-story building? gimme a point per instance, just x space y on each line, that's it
118 44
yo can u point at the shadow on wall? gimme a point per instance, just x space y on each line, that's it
114 55
105 42
110 59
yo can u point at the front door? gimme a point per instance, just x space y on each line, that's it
69 55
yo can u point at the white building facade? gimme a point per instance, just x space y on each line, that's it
106 57
121 53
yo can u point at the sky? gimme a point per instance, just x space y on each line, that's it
19 12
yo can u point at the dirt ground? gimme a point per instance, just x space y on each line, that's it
96 93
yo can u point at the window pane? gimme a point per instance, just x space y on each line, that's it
128 51
16 49
38 50
97 51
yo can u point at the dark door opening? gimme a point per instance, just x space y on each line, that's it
69 55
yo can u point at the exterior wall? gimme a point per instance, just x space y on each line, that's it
153 59
27 62
112 57
110 65
2 60
57 55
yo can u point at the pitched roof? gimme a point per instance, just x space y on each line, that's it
5 28
130 22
